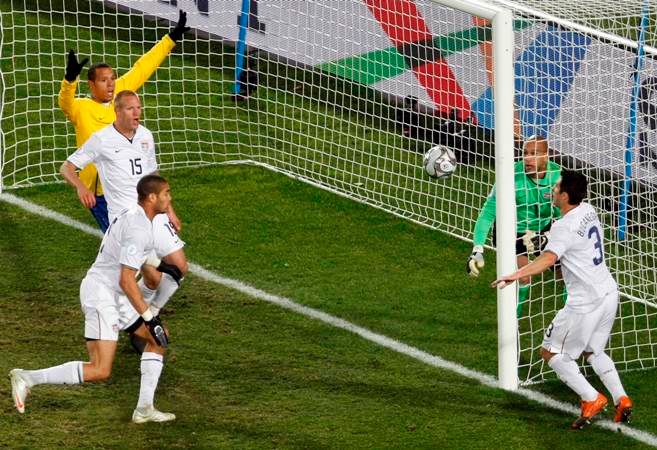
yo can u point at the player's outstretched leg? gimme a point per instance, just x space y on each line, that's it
19 389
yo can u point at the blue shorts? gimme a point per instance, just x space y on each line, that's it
100 213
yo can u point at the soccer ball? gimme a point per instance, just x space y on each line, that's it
439 162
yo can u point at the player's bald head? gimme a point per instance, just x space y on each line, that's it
539 144
150 184
122 97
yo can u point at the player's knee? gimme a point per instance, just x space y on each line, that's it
179 260
184 267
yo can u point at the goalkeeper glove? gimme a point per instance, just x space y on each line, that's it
73 68
177 32
475 261
534 242
171 269
155 327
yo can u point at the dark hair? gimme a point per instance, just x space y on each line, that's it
575 185
91 73
118 100
150 184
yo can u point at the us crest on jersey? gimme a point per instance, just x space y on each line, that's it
144 146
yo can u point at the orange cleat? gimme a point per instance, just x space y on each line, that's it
589 410
623 410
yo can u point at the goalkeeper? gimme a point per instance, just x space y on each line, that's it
89 115
535 176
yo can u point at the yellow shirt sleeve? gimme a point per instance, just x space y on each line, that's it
142 70
67 100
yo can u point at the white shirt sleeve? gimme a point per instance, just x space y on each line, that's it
560 240
152 159
132 248
86 154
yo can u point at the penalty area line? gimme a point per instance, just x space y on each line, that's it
379 339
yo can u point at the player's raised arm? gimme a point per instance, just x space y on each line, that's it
151 60
69 85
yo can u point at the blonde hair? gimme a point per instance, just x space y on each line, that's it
120 98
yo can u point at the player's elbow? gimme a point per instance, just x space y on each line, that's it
127 280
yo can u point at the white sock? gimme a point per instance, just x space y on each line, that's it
165 290
569 373
146 291
67 373
606 370
151 368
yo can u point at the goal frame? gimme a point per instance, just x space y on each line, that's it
501 20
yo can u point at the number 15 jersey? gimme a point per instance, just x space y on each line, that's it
121 163
577 240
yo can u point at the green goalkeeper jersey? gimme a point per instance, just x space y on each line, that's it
534 209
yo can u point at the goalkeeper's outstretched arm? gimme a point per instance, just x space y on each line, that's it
482 228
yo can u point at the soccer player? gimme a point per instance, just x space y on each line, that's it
535 176
123 251
584 324
124 152
89 115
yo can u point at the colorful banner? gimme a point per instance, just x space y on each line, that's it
570 87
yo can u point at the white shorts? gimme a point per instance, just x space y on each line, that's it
573 333
106 312
165 238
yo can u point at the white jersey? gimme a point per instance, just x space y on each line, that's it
127 242
121 163
577 240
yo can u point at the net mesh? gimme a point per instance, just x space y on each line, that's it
350 95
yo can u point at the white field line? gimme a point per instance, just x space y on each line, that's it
392 344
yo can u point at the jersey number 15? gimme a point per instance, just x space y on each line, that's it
135 166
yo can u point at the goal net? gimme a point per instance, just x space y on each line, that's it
349 95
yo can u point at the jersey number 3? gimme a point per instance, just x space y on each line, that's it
597 245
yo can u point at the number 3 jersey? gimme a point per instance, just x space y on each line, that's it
121 163
577 240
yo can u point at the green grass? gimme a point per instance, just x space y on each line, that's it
245 374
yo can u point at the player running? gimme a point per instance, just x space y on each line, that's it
123 251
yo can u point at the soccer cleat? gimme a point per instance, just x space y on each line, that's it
623 410
589 410
150 414
19 389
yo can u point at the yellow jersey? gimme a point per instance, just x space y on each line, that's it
89 116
